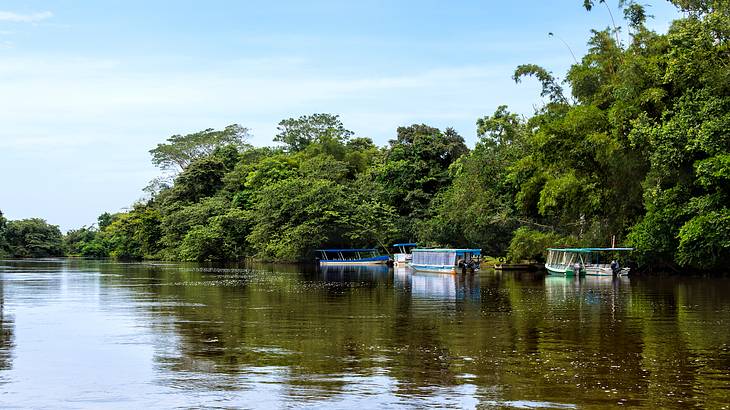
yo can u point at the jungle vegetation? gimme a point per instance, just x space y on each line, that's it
633 142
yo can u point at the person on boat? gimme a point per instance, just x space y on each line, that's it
461 263
576 268
469 265
615 267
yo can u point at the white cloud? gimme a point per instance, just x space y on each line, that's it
24 18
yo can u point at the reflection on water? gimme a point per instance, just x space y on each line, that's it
92 334
6 336
427 285
351 273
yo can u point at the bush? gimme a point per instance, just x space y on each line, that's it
528 244
33 238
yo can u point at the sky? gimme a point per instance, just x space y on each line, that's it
87 88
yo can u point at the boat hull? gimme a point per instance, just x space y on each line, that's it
599 272
604 271
341 263
437 268
554 270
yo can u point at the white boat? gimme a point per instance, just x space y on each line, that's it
445 260
404 256
584 261
351 257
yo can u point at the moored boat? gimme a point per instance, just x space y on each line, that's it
446 260
404 256
585 261
351 257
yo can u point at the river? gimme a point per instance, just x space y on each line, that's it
91 334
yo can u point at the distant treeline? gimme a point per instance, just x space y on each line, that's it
634 142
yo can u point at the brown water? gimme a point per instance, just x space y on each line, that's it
87 334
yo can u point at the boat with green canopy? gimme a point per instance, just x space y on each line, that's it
585 261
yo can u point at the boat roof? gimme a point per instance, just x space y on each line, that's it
587 250
445 250
405 244
347 250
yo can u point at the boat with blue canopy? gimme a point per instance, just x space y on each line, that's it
403 256
446 260
365 256
585 261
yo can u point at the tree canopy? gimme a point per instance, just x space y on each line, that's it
181 150
32 238
298 133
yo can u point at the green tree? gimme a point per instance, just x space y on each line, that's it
414 169
247 179
136 234
76 240
295 216
33 238
104 220
178 220
477 209
3 240
122 238
203 178
297 133
182 150
531 245
223 238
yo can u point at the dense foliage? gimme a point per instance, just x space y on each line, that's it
30 238
323 188
632 144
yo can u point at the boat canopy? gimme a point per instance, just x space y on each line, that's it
457 251
351 255
443 257
405 244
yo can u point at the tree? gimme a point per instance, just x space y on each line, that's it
223 238
550 86
531 245
203 178
297 133
295 216
247 180
33 238
123 239
641 152
182 150
477 209
104 220
76 240
179 219
3 239
415 168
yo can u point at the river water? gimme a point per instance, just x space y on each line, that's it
91 334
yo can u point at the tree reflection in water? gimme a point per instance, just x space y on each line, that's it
7 332
279 335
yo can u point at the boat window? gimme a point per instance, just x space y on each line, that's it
437 258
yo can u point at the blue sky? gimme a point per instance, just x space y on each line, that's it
87 88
